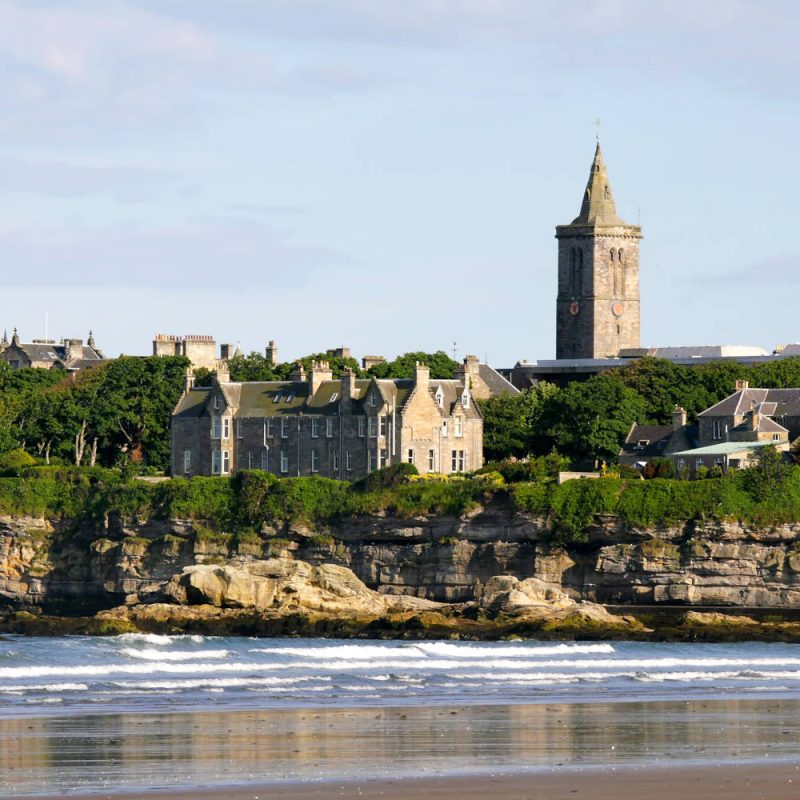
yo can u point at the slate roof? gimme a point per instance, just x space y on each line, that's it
646 441
497 384
771 402
280 398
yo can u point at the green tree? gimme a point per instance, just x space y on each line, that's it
513 424
253 367
590 419
442 367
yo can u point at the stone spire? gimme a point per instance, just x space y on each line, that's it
598 203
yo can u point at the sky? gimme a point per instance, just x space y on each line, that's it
387 175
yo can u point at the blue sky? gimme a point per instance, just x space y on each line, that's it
387 175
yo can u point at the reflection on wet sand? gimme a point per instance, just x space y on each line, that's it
162 750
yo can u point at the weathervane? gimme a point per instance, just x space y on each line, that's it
597 125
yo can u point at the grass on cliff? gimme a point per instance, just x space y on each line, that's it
254 498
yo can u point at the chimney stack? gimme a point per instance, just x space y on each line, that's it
678 418
422 376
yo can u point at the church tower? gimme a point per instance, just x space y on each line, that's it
597 309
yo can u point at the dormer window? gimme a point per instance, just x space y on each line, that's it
439 397
465 400
373 400
217 402
642 443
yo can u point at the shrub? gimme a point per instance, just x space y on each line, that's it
386 477
659 468
14 462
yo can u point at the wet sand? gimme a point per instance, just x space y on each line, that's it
779 781
699 748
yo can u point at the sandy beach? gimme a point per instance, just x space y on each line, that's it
733 782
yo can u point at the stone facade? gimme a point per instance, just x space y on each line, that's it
315 425
71 355
201 350
731 432
597 308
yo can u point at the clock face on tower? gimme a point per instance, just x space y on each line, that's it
574 308
616 309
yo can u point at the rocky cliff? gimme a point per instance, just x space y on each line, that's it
61 567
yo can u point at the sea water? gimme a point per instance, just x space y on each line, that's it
136 711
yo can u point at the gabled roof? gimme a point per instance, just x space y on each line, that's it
647 441
495 382
771 402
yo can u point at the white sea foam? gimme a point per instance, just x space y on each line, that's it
467 652
145 668
158 638
44 687
153 654
200 683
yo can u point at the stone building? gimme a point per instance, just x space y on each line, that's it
201 350
315 425
71 355
597 308
731 432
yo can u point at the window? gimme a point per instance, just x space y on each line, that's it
187 460
457 461
314 427
431 460
226 462
284 428
776 437
334 397
698 462
384 457
216 427
217 402
284 461
459 426
335 460
719 462
348 461
249 459
239 429
641 444
410 457
465 399
384 425
329 427
226 427
314 461
373 426
269 431
265 460
216 462
373 400
372 458
289 397
361 426
716 429
444 428
439 397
